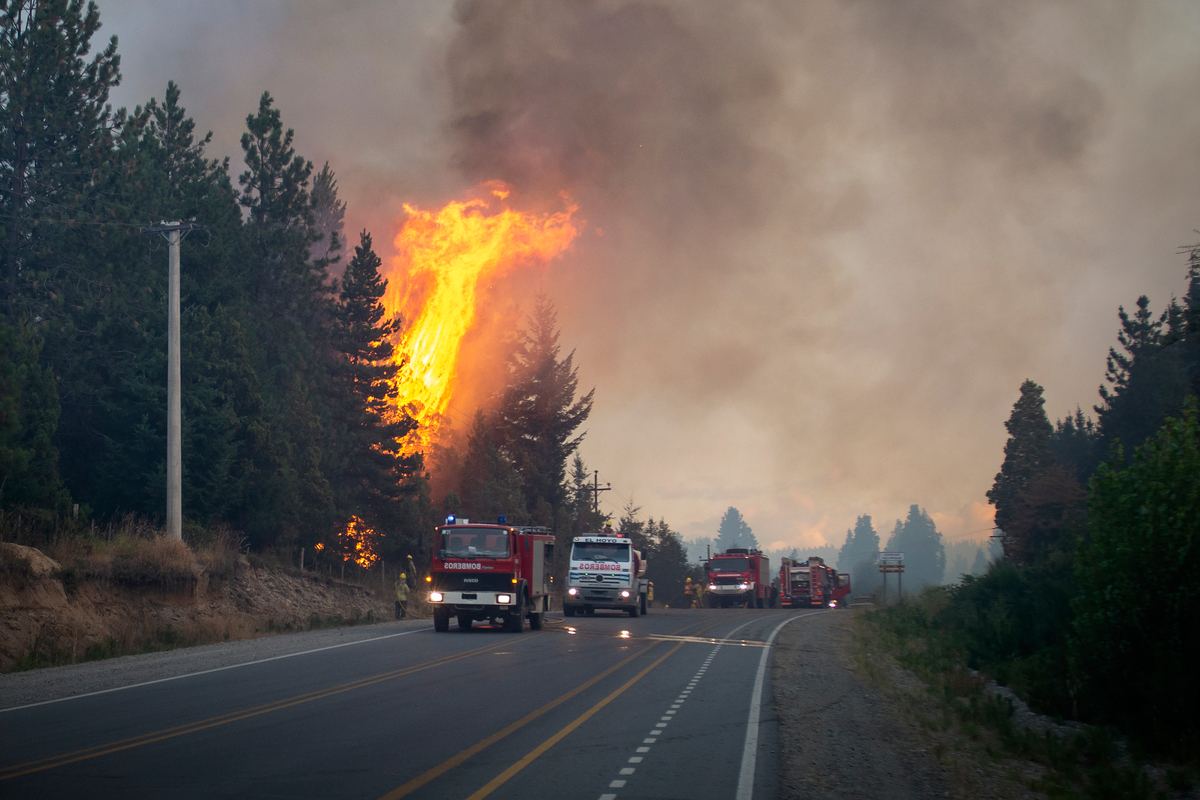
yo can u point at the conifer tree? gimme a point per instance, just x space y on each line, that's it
540 415
860 553
734 532
489 485
1026 455
54 138
1148 378
924 554
364 460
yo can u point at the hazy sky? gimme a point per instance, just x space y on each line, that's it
826 240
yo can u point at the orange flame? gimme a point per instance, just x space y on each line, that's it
360 543
442 256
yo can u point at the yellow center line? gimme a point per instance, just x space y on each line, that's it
434 773
498 781
459 758
53 762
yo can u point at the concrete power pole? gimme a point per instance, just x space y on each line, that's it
173 233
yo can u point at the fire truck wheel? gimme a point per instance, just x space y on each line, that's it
568 611
515 621
464 622
441 620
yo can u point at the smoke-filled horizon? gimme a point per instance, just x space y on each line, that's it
825 241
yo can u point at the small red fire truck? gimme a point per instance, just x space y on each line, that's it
500 573
841 592
739 576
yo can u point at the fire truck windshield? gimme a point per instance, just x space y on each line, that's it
729 565
474 543
600 551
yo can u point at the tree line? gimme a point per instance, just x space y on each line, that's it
290 420
1093 610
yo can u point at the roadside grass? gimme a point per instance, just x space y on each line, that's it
134 555
1053 759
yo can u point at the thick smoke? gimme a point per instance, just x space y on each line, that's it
826 240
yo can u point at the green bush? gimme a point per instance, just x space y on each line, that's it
1135 639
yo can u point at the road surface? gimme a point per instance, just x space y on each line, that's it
669 705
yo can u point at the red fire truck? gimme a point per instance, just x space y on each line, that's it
841 592
811 584
500 573
739 576
793 584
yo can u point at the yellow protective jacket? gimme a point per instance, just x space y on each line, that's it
402 591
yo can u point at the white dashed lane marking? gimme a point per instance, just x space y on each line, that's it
665 719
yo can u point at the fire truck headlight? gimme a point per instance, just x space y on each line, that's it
435 597
504 599
624 593
572 591
712 586
743 586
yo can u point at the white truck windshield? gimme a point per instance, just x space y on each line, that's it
598 551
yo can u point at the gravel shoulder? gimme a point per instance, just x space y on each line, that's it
852 724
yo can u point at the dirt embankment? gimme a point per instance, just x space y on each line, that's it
49 615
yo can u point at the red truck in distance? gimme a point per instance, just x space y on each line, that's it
739 576
496 573
812 584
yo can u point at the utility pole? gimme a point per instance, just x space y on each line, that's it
596 490
173 232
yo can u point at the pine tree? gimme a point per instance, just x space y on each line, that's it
293 327
364 461
924 554
1148 378
329 213
1075 444
540 415
28 421
1026 454
734 532
54 138
859 555
489 485
668 566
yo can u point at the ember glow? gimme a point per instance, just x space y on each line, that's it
433 283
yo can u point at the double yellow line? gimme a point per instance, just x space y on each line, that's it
459 758
53 762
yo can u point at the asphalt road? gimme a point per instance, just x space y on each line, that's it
605 707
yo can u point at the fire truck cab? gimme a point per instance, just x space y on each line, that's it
739 576
605 571
497 573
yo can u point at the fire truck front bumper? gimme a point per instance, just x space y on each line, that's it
483 601
729 589
600 597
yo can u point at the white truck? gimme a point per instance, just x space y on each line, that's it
605 572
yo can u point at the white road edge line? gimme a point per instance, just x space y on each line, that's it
745 789
208 671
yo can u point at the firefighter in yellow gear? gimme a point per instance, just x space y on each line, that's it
649 593
401 596
689 592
